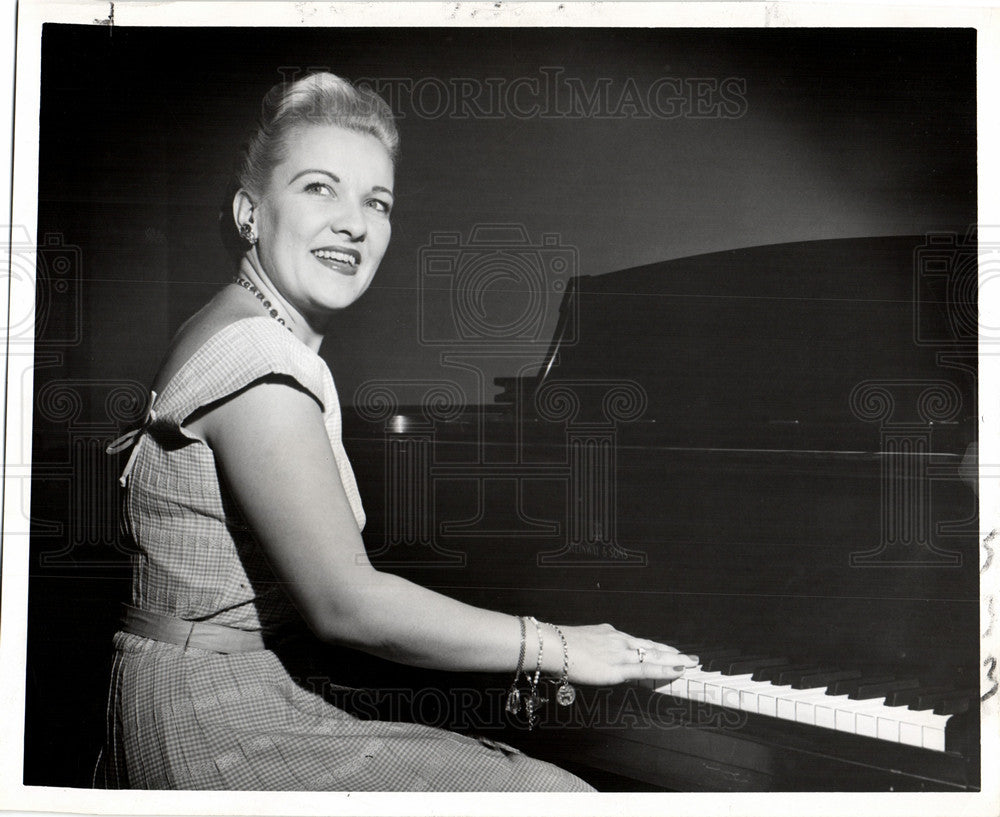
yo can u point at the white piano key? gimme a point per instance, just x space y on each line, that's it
859 717
743 691
806 706
788 703
887 728
899 724
922 727
677 688
911 733
696 683
866 723
748 699
826 711
713 691
934 737
725 690
767 701
785 704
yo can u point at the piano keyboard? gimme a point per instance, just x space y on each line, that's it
881 707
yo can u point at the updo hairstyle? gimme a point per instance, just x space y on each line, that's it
317 99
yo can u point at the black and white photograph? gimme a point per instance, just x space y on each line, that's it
407 400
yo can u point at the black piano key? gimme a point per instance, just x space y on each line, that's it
921 697
741 666
962 733
961 701
930 699
770 673
682 644
849 685
687 648
867 691
720 652
789 675
719 663
825 678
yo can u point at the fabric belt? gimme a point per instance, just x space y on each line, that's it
199 634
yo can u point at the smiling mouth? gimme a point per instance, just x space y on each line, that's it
343 261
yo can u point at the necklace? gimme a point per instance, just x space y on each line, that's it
243 282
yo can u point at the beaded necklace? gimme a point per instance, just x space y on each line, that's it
249 287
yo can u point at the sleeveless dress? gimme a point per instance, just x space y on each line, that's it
180 717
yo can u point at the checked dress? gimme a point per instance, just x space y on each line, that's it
181 717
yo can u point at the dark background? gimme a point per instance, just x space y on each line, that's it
844 133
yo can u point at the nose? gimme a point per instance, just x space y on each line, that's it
349 221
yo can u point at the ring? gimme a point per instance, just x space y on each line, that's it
641 653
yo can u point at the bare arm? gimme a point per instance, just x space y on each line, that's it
272 446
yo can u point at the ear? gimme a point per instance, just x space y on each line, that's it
242 208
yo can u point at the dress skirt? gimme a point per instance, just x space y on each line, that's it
241 722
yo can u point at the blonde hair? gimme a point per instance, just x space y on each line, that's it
317 99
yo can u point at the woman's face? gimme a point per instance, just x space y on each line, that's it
323 223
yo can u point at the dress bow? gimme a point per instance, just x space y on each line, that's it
131 438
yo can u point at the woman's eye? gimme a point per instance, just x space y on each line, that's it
319 188
382 206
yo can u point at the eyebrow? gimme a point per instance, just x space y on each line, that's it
328 174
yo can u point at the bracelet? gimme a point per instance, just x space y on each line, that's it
534 701
513 694
565 694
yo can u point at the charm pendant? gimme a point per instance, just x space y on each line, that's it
513 701
565 695
531 706
533 703
529 710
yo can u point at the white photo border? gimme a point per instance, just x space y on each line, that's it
18 384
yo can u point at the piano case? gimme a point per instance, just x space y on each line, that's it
767 449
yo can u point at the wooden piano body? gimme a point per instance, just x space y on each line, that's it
760 449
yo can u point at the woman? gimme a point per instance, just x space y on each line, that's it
246 516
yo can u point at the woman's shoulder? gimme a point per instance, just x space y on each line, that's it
221 349
194 333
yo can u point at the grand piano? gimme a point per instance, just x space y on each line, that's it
764 456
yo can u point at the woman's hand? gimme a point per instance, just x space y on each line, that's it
601 655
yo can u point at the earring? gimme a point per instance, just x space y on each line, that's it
247 234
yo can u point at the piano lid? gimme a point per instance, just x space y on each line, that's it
809 345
